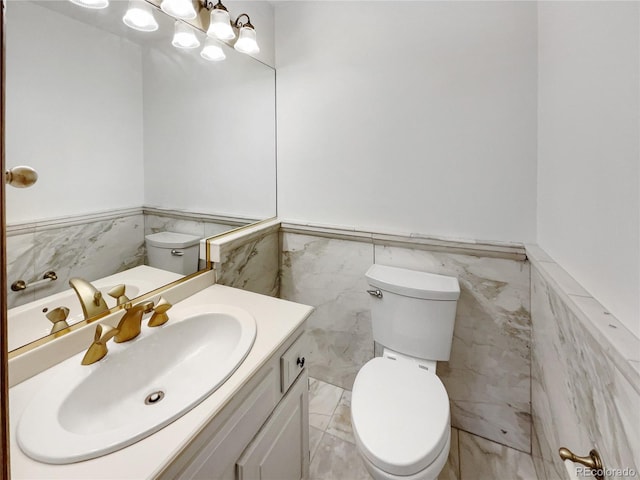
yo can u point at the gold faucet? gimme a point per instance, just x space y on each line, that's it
90 298
118 292
98 349
131 323
58 317
160 316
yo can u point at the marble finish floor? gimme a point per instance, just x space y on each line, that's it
334 455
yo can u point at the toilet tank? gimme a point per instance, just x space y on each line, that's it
174 252
413 312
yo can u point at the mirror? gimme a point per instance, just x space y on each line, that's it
130 136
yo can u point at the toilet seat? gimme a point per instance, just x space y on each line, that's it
400 416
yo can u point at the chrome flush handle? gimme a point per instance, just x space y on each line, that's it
177 253
376 293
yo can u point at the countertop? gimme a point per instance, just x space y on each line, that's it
276 320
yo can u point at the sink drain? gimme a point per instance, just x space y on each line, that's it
154 397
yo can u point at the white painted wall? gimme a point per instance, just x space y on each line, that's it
408 116
589 148
78 147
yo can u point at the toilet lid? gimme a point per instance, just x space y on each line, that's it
400 415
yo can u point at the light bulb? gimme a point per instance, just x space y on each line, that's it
139 16
184 36
247 41
220 25
212 51
182 9
91 3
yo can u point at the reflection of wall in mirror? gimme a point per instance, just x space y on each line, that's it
88 111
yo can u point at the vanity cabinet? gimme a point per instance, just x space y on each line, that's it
281 449
262 433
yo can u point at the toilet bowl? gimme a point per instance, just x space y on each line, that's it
401 421
399 407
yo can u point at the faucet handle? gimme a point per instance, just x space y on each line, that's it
58 316
160 316
118 292
98 349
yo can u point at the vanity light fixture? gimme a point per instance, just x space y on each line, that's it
246 42
222 28
182 9
219 21
139 16
184 36
212 51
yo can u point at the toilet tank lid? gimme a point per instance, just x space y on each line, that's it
172 240
412 283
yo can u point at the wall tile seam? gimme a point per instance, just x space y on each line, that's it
414 241
624 365
198 216
25 228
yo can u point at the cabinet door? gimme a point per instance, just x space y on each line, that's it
281 450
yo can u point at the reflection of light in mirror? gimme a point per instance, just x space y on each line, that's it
140 17
212 51
184 36
220 24
179 8
247 40
91 3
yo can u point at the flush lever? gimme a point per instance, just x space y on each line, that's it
177 253
376 293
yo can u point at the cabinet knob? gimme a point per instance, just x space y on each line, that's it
300 362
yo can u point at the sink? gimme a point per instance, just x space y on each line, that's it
138 388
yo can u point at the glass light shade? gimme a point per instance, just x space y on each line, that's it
91 3
247 41
179 8
212 51
140 17
184 36
220 25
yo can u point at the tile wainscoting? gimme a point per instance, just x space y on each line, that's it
95 245
488 375
586 383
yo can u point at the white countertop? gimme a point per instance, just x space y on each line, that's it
276 320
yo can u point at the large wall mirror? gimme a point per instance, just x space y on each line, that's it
130 137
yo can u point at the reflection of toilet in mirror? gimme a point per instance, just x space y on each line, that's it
399 407
173 252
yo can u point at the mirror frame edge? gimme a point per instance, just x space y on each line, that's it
5 470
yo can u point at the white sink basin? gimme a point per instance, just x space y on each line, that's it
89 411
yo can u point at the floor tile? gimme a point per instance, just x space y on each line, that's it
340 423
315 436
323 400
451 470
337 459
482 459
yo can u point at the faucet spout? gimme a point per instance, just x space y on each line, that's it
90 297
131 323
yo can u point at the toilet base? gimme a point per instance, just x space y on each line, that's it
430 473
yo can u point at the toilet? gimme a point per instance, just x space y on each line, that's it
399 407
174 252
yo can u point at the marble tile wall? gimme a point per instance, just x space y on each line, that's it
583 396
328 274
90 250
488 375
252 263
